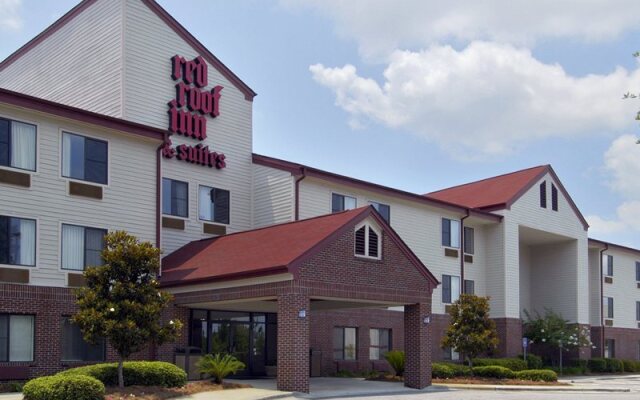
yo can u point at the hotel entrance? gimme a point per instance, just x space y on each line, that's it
249 337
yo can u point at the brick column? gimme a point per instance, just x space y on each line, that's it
293 343
417 346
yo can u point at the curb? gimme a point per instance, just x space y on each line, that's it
534 388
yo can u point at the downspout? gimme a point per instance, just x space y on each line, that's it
159 198
606 247
462 251
299 179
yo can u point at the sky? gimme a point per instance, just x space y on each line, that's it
421 95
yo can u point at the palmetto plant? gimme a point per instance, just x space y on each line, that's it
396 358
219 366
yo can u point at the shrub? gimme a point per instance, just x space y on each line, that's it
631 365
544 375
143 373
568 370
494 371
441 371
64 387
614 365
219 366
459 369
11 387
597 365
533 361
514 364
395 358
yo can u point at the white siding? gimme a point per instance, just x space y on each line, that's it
624 288
273 196
595 300
79 65
495 267
128 202
525 278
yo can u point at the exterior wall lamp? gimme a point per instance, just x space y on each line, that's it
302 313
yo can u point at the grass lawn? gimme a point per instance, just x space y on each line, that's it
161 393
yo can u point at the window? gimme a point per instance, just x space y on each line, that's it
383 209
379 343
638 271
344 343
75 348
450 355
469 287
17 145
81 247
608 307
84 158
450 233
17 241
607 265
213 204
16 337
609 348
175 198
637 310
543 194
450 289
341 203
367 242
554 197
469 245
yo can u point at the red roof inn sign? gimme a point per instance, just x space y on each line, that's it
189 110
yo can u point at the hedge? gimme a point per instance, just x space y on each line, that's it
631 365
494 371
143 373
64 387
533 361
597 365
514 364
544 375
441 371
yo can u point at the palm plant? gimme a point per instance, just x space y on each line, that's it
219 366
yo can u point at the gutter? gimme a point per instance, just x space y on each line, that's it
462 251
299 179
606 247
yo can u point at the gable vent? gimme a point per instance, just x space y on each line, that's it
360 241
373 243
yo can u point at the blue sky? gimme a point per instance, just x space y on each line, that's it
421 95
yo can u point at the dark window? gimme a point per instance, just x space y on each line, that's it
75 348
175 198
469 287
608 307
638 271
84 158
450 233
345 342
373 243
607 267
609 348
16 337
384 210
543 194
360 241
450 288
17 241
637 310
17 144
554 197
81 247
340 202
449 354
379 343
214 204
469 246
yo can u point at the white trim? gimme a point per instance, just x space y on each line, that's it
343 195
37 247
368 227
61 132
59 256
206 221
37 125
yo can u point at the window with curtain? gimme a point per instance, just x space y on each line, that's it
450 355
450 289
469 287
341 202
450 233
175 198
379 343
607 264
344 343
608 307
609 348
75 348
84 158
383 209
16 337
17 144
81 247
469 238
17 241
213 204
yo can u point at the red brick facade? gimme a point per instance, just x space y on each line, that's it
627 342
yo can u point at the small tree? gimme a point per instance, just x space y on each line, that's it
219 366
553 330
121 301
471 331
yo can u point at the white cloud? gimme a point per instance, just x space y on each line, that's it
488 99
380 26
10 19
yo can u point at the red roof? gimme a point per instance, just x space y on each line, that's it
498 191
271 250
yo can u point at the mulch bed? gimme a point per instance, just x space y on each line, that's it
472 380
162 393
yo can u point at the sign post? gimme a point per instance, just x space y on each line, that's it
525 344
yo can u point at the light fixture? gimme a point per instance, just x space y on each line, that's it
302 313
427 320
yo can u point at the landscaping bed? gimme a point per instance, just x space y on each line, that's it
161 393
478 380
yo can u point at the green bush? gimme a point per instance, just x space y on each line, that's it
533 361
219 366
493 371
631 365
614 365
514 364
568 370
544 375
64 387
459 369
143 373
442 371
396 359
597 365
11 387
